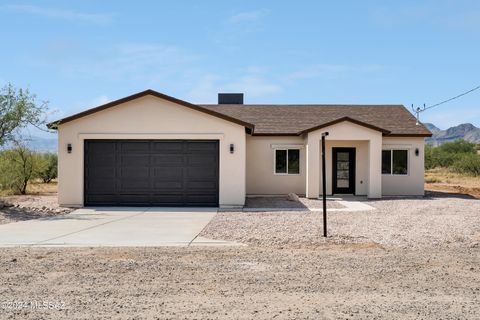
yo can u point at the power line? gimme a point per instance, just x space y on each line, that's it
418 110
456 97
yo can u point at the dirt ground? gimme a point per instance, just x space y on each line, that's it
441 179
332 282
409 259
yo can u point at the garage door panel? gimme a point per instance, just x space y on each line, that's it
135 160
134 146
101 148
201 160
202 146
151 172
134 173
201 185
102 173
165 147
100 185
104 160
102 199
200 173
167 199
198 199
168 160
172 185
167 174
131 185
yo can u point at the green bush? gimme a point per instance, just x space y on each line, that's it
48 168
467 164
459 156
447 154
459 146
18 166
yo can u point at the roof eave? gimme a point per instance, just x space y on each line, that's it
342 119
424 135
54 125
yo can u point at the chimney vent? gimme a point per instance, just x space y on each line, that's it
230 98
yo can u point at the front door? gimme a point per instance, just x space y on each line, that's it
343 160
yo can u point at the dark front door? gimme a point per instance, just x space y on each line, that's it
343 160
151 173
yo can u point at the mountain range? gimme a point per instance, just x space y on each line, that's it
465 131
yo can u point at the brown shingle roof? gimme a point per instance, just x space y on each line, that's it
392 120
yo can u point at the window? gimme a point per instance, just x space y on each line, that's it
395 162
287 161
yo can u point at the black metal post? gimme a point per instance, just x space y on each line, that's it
324 185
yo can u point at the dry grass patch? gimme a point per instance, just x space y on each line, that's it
440 179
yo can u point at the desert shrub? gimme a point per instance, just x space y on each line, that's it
48 167
459 146
467 164
447 154
18 166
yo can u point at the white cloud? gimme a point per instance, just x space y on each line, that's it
248 16
149 63
60 14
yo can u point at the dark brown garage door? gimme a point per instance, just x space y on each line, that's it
151 173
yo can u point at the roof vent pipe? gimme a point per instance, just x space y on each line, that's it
230 98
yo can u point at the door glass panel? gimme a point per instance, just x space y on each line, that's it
343 169
342 183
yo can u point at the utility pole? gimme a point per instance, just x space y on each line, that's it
324 185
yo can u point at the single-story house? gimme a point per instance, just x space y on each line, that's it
155 150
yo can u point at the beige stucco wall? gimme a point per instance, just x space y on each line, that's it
353 134
413 182
261 177
152 118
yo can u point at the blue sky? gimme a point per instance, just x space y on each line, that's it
79 54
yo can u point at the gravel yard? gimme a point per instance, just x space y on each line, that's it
434 221
26 207
409 259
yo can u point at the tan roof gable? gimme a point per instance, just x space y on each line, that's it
55 124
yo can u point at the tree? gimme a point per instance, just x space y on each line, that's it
19 109
48 168
18 166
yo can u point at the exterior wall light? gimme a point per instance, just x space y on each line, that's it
69 148
417 152
232 148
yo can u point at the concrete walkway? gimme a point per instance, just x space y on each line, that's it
348 203
113 227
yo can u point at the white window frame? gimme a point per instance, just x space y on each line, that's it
275 162
391 162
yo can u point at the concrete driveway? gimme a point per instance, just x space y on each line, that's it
113 227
